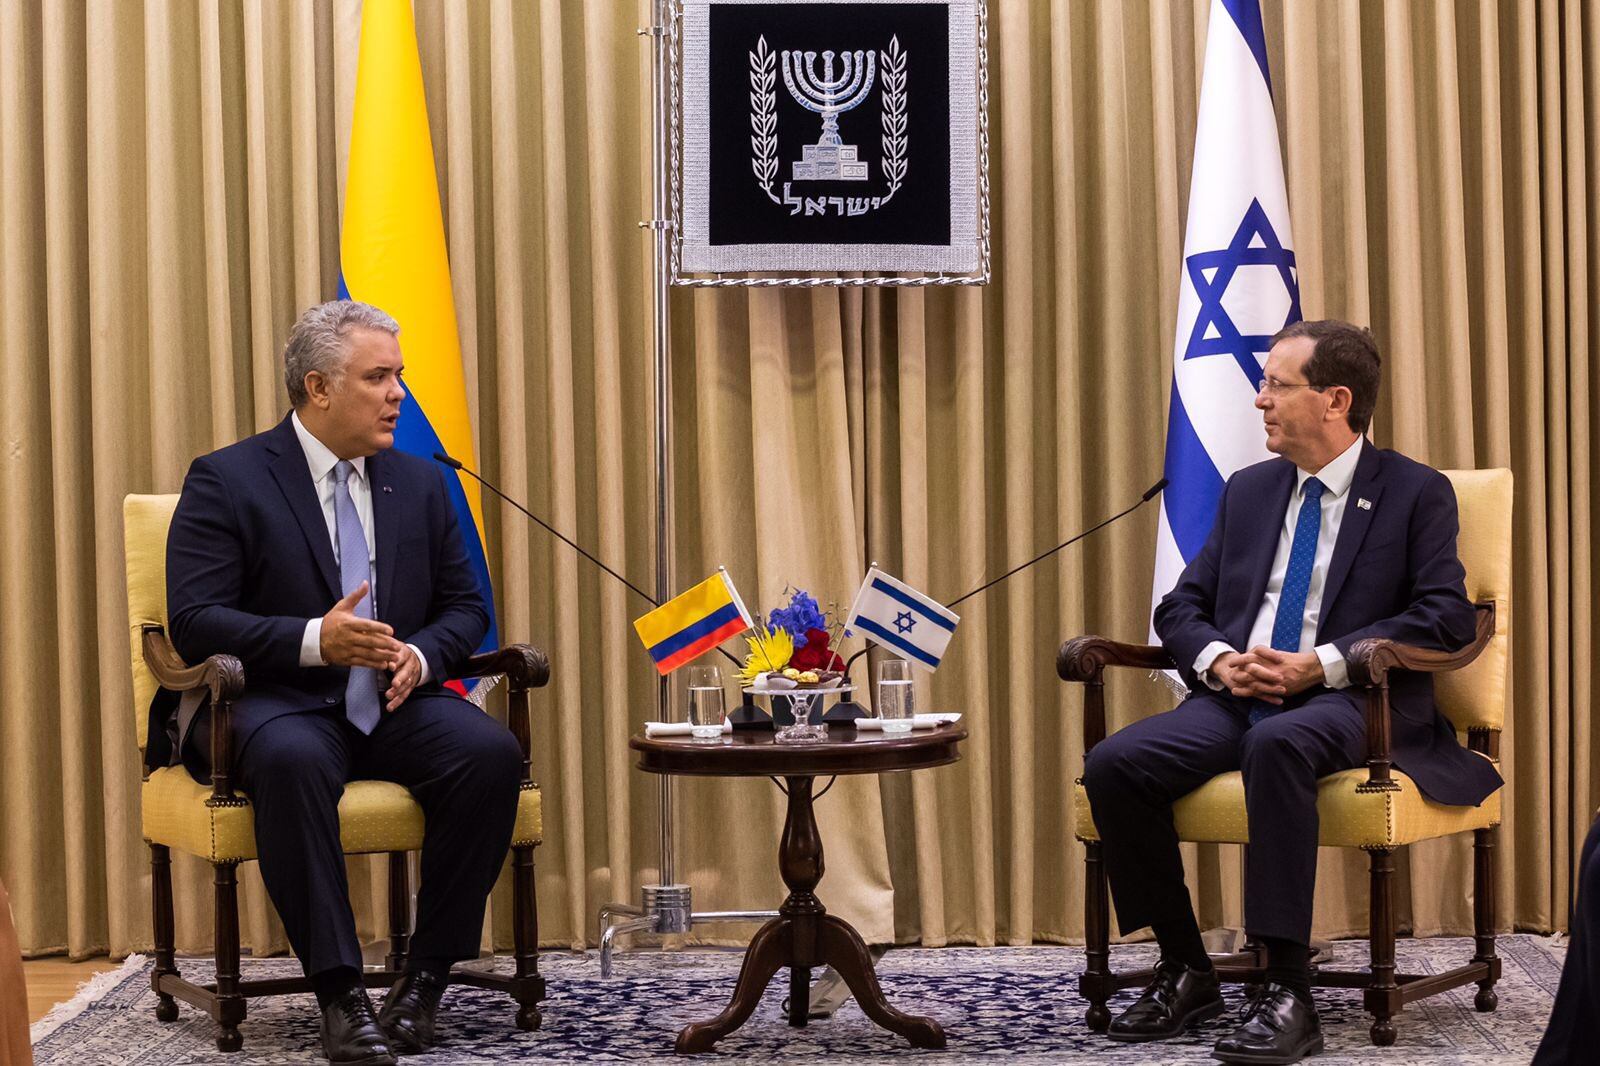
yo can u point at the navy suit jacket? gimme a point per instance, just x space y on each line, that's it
1394 573
250 562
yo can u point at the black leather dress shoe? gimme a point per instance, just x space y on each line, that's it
1279 1028
409 1010
350 1032
1177 998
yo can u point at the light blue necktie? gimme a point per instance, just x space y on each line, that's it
361 691
1290 619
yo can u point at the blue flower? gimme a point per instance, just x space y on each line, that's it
801 615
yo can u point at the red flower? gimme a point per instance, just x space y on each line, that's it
815 655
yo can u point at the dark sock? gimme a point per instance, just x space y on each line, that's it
426 964
1289 964
1180 942
330 984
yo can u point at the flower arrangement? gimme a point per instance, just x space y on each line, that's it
795 642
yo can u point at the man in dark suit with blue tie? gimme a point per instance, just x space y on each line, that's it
334 569
1332 542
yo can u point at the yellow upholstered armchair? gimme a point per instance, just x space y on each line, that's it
217 825
1377 809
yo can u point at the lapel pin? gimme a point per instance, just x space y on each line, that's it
386 488
1363 503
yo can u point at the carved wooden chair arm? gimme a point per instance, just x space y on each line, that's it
222 674
525 665
1372 659
1082 658
1370 662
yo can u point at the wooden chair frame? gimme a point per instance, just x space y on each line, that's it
525 667
1384 992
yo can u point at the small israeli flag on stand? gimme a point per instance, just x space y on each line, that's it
1238 286
891 613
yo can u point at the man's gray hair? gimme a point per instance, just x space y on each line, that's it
317 342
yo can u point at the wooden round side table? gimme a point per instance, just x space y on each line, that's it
804 935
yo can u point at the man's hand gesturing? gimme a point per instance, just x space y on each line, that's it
406 676
348 640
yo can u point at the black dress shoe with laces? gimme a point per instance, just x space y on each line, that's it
350 1032
410 1008
1279 1028
1177 998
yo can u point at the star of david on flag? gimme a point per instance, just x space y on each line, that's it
1211 273
1239 285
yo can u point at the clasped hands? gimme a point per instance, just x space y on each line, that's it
1266 674
349 640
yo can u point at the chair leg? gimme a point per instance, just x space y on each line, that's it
161 929
1483 908
528 987
1382 993
1096 984
230 1009
399 911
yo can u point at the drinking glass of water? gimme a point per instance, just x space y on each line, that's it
894 695
706 708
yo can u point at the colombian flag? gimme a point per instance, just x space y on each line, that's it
691 624
392 255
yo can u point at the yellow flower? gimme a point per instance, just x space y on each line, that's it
768 651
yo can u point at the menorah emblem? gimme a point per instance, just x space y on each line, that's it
829 159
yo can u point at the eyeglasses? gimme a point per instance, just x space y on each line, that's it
1278 388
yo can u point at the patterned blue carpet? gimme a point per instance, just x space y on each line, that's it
1020 1003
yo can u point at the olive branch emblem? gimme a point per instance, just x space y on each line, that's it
764 116
893 75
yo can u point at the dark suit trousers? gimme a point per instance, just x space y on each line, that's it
1134 775
1575 1020
462 766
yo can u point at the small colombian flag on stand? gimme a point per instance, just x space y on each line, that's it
692 623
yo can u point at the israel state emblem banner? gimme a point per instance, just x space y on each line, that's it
830 137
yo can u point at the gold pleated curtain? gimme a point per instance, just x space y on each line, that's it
169 201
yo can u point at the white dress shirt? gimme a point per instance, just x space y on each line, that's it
1336 478
321 460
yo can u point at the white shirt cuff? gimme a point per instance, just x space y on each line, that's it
422 661
1335 671
311 644
1203 661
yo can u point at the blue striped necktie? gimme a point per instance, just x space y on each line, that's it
1290 619
361 690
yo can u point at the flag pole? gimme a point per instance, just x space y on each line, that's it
665 907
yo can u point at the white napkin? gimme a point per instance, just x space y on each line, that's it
918 721
677 729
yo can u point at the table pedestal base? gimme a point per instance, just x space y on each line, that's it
802 937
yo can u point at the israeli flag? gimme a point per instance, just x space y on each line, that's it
889 612
1238 286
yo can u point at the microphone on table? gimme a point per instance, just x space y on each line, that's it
456 464
851 709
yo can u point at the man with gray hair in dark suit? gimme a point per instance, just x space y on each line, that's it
334 568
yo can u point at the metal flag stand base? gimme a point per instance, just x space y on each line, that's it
664 908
